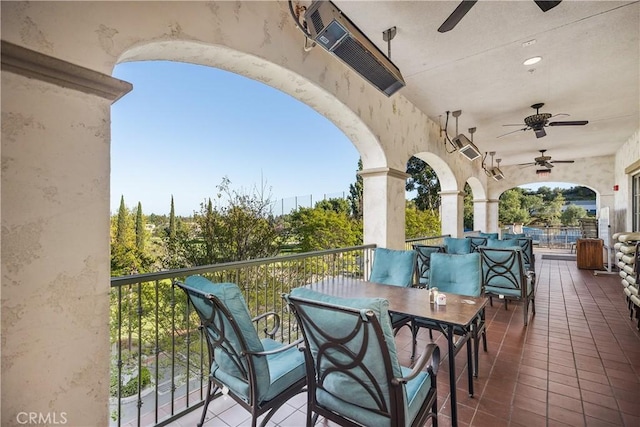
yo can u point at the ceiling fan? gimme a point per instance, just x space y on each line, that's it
545 161
538 121
466 5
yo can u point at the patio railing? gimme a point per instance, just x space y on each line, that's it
553 237
159 358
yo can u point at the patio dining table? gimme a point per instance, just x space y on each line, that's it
459 312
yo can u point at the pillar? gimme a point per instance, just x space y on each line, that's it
452 212
384 204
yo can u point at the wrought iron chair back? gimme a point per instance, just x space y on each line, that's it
354 376
477 241
504 276
423 261
238 359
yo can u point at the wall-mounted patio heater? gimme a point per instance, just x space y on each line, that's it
337 34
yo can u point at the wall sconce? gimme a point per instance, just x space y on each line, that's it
543 173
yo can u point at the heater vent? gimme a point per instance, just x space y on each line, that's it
338 35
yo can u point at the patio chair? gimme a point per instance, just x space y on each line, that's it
477 241
354 376
397 268
260 374
526 244
506 236
504 276
456 245
528 257
423 261
457 274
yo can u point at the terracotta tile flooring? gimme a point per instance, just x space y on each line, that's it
577 363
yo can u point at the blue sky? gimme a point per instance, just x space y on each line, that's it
184 127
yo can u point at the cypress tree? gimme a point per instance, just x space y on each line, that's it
121 229
172 222
139 229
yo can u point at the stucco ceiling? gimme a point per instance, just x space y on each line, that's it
590 69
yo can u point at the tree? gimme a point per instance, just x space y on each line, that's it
355 195
140 231
122 227
468 207
420 223
239 227
549 212
318 228
572 214
172 221
340 206
511 209
424 180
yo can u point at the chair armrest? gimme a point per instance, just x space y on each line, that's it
431 351
277 350
273 331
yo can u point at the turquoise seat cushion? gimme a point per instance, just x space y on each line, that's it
224 366
509 291
508 243
488 235
393 267
416 392
285 368
454 245
340 391
457 274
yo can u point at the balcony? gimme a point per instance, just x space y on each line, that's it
577 362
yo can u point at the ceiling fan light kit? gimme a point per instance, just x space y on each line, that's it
543 173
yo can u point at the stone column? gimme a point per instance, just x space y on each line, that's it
480 215
384 207
55 239
451 212
492 216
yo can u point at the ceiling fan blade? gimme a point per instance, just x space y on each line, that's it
509 133
570 123
518 124
526 165
456 15
547 5
540 132
563 161
547 165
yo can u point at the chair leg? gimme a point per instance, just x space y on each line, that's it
476 348
491 301
533 306
484 340
210 394
526 311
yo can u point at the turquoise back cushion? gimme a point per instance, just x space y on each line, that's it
489 235
457 274
508 243
393 267
345 386
454 245
229 294
502 268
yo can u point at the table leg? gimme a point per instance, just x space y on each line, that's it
452 376
469 365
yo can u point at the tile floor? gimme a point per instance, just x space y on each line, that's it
576 364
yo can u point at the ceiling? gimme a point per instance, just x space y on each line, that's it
590 69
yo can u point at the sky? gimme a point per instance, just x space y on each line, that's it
184 127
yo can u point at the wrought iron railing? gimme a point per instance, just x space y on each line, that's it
431 240
159 357
552 237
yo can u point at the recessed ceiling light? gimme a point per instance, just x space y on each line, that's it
533 60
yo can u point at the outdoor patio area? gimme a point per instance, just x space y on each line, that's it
576 363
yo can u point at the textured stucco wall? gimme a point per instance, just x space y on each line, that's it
627 155
55 252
